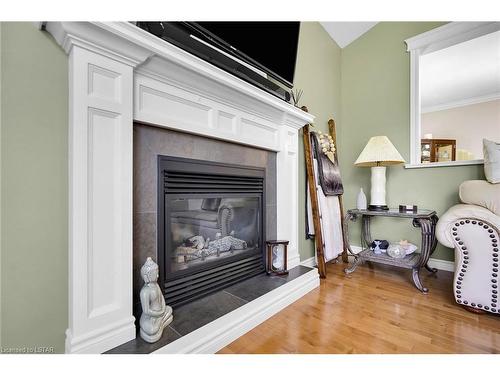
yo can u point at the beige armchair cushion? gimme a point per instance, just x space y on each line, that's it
481 193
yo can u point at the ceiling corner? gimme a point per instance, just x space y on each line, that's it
344 33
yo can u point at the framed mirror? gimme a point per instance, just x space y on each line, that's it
455 93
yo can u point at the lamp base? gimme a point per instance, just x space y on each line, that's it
373 207
377 196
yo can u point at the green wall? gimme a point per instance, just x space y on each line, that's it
317 72
34 175
375 101
372 74
0 184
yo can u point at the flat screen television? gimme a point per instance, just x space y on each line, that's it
262 53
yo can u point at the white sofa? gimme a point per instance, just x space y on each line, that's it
472 228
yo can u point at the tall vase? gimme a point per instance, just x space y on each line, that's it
361 200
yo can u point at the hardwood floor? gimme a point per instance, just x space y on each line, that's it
374 310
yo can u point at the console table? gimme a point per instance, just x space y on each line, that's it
424 219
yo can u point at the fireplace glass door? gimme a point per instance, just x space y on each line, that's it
214 228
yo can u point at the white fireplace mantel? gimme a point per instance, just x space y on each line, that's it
118 74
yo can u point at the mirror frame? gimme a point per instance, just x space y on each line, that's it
436 39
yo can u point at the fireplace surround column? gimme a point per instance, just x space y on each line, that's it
100 145
288 192
100 190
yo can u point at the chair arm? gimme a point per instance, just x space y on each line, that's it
463 211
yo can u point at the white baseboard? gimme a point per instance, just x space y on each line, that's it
356 249
101 340
309 262
444 265
293 261
217 334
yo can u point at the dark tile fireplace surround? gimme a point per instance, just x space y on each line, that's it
156 150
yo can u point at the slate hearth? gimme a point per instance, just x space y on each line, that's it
191 316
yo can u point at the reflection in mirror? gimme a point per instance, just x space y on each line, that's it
460 99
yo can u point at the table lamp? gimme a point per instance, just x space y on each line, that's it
377 154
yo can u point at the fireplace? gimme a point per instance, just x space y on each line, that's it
190 191
211 222
119 75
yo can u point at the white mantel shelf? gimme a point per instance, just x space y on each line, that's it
118 74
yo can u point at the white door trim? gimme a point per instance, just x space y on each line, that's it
433 40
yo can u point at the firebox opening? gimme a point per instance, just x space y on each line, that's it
210 226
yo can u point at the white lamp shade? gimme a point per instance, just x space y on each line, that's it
379 151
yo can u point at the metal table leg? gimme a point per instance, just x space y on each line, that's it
429 242
357 260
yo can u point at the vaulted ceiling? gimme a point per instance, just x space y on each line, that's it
344 33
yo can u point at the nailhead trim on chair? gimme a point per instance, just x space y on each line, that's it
465 261
458 287
494 274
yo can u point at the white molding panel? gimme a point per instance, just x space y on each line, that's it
100 170
120 73
448 35
457 163
224 330
287 193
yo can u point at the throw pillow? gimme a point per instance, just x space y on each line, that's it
491 151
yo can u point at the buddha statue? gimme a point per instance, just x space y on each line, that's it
156 315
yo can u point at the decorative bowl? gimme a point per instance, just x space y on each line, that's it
396 251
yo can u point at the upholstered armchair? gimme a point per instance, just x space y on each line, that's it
472 229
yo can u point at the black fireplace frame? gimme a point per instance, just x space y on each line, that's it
238 267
